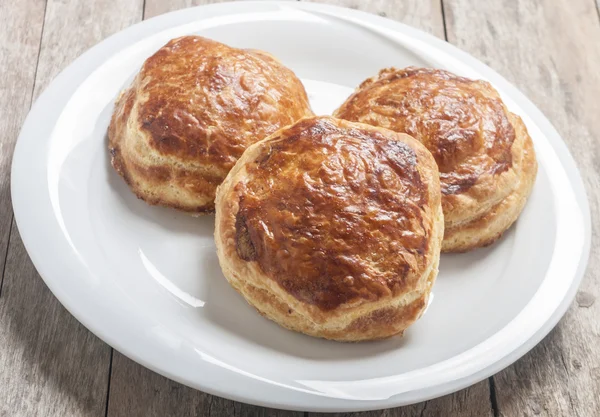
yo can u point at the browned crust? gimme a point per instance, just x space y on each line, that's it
191 112
488 228
310 221
477 143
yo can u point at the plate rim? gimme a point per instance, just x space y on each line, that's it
145 28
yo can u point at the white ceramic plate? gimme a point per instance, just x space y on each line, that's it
147 281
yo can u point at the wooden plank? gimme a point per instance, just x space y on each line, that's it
72 27
550 50
20 36
50 365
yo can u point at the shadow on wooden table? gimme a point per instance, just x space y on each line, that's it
43 346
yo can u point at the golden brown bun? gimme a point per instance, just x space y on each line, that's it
333 228
193 109
485 155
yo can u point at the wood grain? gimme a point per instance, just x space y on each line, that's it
50 365
72 27
550 51
20 34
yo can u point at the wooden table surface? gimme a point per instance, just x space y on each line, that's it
50 365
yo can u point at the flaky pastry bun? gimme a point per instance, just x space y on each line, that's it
192 110
333 228
485 155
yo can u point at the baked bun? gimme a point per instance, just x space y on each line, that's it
333 228
193 109
485 155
